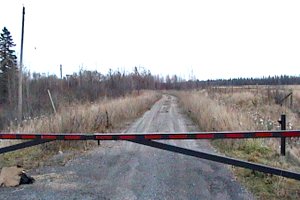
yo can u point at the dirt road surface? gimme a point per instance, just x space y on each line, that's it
124 170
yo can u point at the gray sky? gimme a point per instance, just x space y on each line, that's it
211 39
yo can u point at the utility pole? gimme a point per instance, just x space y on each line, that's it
20 114
60 71
61 80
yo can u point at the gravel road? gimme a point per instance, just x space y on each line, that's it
124 170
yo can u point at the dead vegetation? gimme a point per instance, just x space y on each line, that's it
236 109
102 116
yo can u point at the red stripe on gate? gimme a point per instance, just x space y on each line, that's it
48 137
9 136
127 137
179 136
103 137
28 136
205 136
263 134
291 134
234 135
72 137
153 136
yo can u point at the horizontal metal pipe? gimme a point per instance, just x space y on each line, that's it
153 136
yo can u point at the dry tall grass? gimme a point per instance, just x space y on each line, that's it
210 115
244 110
103 116
92 117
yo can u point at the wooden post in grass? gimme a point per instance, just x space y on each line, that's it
51 101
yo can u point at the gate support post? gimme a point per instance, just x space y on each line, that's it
283 139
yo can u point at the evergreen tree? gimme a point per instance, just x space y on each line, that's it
8 66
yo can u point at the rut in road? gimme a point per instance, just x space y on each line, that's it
125 170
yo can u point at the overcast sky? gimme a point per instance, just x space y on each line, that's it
211 39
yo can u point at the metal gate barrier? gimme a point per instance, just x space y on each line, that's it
148 140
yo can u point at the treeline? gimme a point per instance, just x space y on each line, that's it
83 86
177 83
270 80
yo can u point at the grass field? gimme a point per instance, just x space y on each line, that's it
246 108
